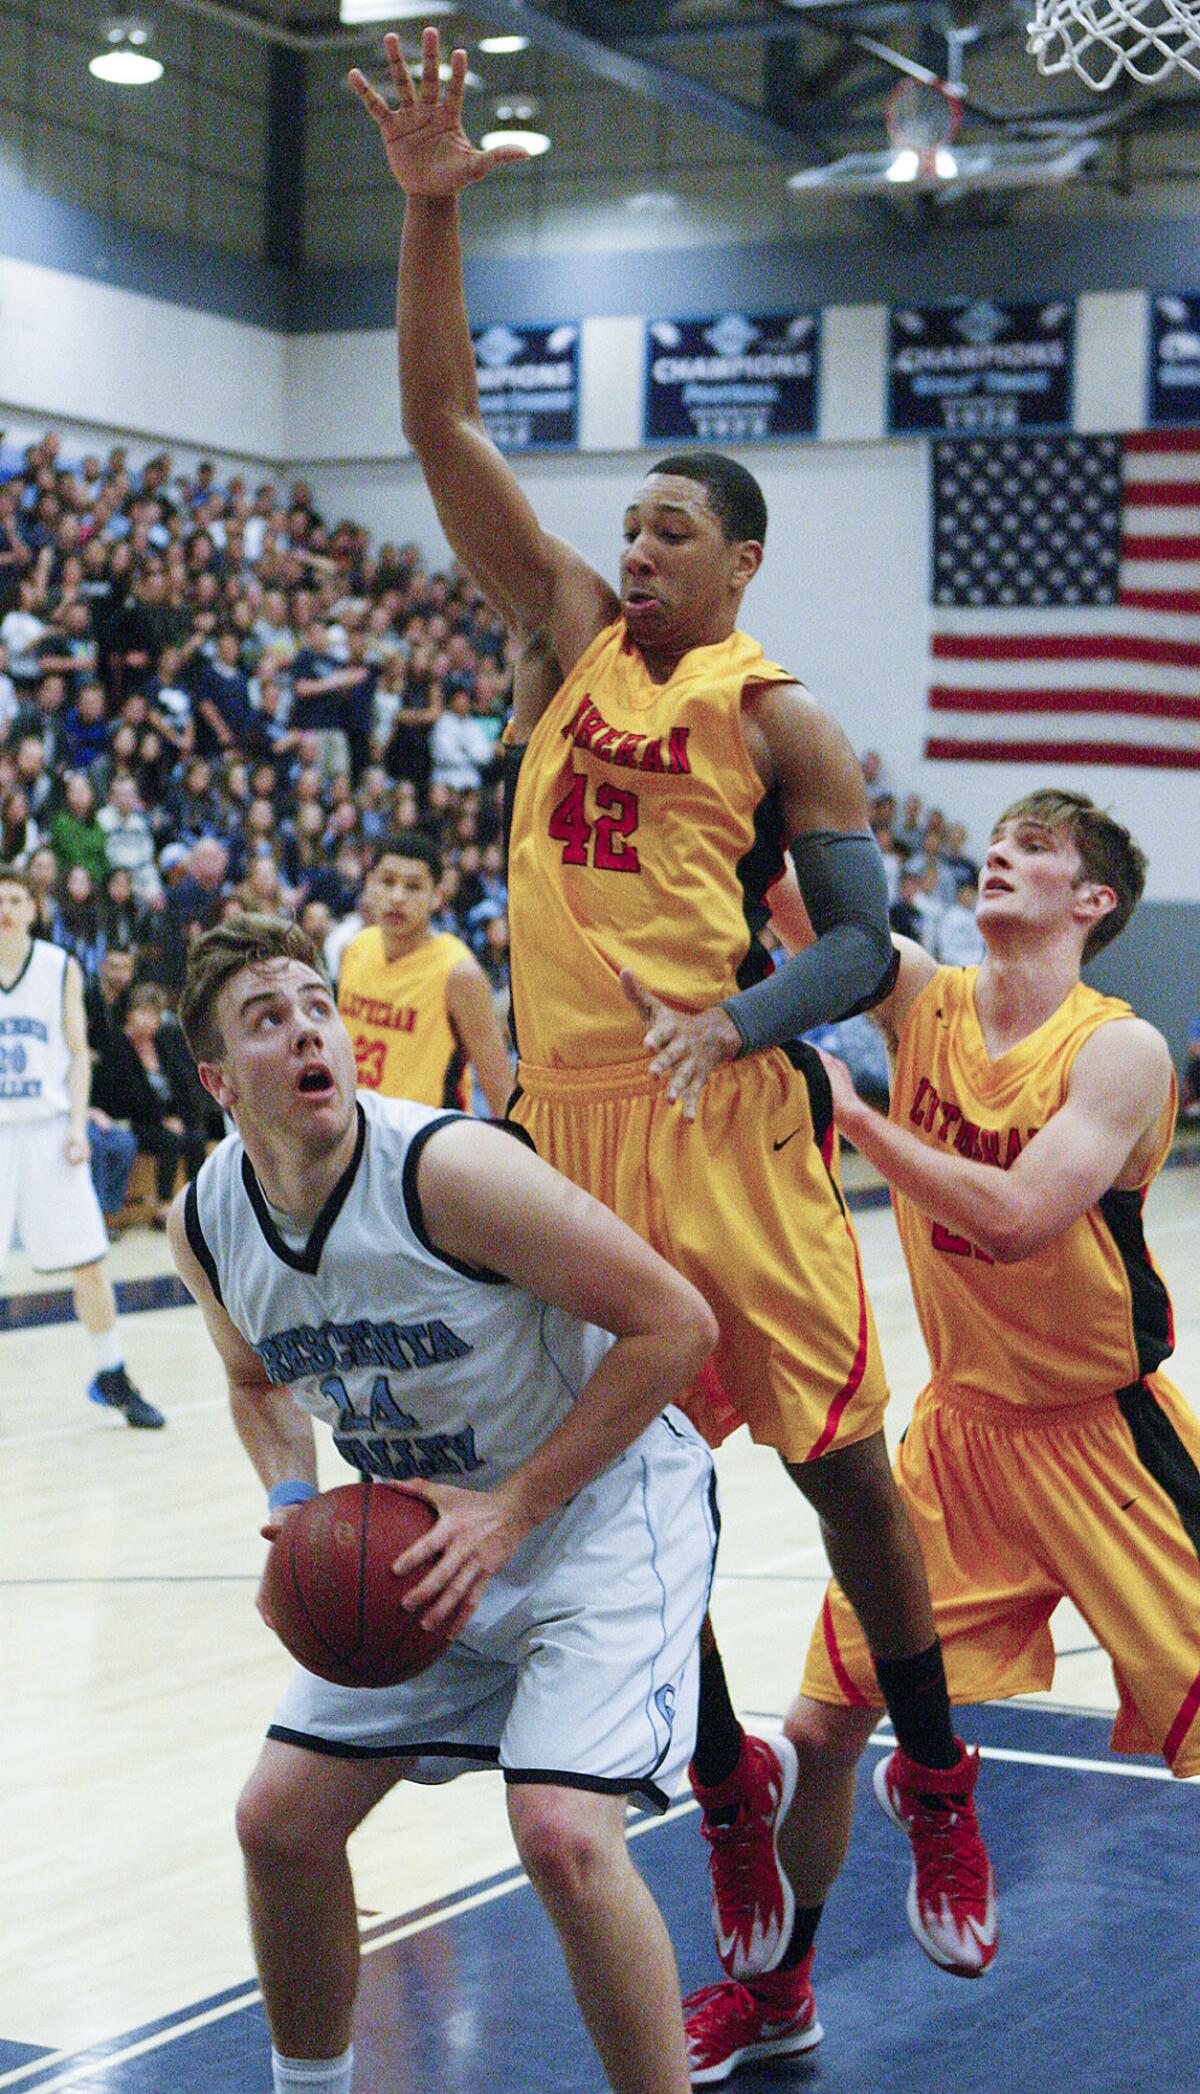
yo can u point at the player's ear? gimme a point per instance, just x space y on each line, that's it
216 1083
747 560
1093 901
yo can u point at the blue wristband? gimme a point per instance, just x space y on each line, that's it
293 1492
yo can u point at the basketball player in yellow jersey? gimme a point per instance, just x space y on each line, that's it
660 784
1048 1455
417 1002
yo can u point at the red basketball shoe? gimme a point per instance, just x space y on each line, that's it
732 2024
952 1890
752 1902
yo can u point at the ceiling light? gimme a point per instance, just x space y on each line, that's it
352 11
905 166
503 46
652 203
535 142
125 60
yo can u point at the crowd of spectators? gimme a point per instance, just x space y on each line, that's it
212 699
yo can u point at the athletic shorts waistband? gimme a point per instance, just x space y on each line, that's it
612 1080
1021 1417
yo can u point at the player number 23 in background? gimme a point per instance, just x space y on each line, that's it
605 835
369 1057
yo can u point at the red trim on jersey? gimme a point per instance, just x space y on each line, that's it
1173 1743
833 1415
851 1692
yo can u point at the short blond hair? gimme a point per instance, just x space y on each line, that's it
249 939
1108 852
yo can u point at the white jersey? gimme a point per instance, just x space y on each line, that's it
34 1061
421 1365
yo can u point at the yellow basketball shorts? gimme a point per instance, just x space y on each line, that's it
744 1201
1017 1509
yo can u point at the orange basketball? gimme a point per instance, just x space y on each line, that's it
331 1596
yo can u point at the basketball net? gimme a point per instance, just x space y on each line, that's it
1097 39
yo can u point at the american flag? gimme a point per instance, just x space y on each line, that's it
1065 619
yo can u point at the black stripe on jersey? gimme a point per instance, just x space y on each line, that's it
1151 1304
309 1258
756 871
199 1241
412 1202
1163 1455
511 758
341 1749
600 1784
453 1078
9 988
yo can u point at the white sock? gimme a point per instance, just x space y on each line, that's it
312 2075
108 1349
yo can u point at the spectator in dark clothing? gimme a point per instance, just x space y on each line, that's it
113 1147
220 695
150 1082
904 915
77 926
85 729
193 804
190 907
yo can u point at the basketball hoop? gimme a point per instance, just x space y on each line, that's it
923 118
1097 39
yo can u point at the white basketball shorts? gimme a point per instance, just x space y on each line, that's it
581 1665
51 1201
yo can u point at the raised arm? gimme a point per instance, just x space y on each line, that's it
535 580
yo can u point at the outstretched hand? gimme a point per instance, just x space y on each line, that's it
428 151
686 1045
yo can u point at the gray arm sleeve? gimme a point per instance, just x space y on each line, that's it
853 962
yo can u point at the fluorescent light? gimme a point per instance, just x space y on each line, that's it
125 68
535 142
945 164
906 166
503 46
652 203
392 10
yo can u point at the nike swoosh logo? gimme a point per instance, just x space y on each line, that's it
786 1139
1128 1502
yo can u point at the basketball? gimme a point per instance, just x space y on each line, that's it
330 1594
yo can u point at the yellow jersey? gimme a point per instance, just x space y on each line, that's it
396 1015
641 837
1087 1314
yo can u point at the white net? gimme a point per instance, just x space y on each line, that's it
1097 39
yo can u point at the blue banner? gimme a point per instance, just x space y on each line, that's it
734 378
529 385
1175 358
980 369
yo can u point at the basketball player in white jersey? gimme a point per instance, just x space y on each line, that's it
473 1326
45 1185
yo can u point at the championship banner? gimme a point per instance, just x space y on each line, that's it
734 378
983 369
1175 360
528 381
